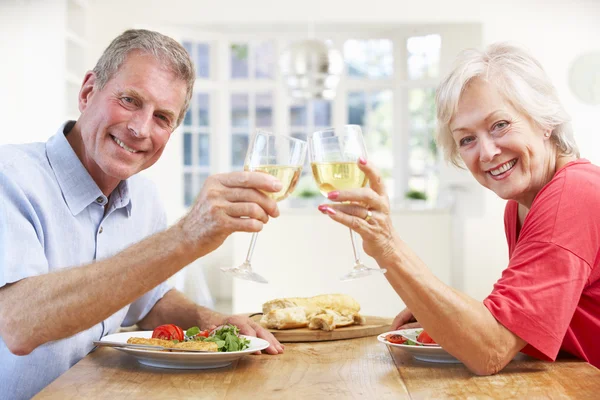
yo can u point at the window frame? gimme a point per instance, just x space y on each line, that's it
221 85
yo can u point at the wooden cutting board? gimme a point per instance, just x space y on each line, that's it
372 327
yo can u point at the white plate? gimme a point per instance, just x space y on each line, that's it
181 360
422 353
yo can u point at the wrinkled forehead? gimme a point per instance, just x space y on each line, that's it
477 101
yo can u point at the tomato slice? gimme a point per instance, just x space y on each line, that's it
425 338
204 333
395 338
168 332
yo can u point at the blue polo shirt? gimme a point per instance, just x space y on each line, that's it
52 216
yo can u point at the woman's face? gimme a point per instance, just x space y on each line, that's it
504 150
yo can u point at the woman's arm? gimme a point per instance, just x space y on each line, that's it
460 324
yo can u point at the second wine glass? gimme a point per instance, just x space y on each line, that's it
334 153
280 156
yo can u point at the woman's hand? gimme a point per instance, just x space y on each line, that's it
405 320
367 212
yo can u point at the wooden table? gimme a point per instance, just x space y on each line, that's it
355 368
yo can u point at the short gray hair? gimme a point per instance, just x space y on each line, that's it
521 80
168 51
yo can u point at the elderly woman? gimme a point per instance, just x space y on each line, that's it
499 114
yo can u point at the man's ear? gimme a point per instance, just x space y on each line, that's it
87 90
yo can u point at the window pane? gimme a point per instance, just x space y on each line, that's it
298 115
188 189
239 146
356 108
299 135
187 120
421 107
187 149
264 59
264 110
239 110
239 60
378 129
203 109
417 183
424 56
322 113
200 179
188 47
371 59
202 60
203 149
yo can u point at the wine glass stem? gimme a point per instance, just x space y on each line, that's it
354 249
251 248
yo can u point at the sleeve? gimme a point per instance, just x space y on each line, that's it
21 235
537 295
142 306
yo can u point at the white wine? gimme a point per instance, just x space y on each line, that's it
332 176
287 174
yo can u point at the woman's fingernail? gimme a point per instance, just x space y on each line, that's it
362 161
330 211
322 208
277 185
333 195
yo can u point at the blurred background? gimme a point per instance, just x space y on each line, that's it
393 53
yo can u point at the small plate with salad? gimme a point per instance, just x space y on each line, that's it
230 346
428 351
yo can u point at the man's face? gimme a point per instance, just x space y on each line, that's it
126 125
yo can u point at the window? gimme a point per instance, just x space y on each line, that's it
196 146
387 89
423 63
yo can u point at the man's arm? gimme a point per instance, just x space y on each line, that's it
53 306
175 308
57 305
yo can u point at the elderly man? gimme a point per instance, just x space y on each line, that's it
84 247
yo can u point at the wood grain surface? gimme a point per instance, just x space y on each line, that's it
347 369
372 327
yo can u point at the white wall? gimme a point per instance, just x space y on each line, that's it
556 31
302 253
32 69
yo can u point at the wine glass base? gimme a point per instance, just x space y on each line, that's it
244 273
361 272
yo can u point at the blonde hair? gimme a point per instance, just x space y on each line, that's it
163 48
520 78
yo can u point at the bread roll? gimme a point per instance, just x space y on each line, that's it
341 303
285 318
325 312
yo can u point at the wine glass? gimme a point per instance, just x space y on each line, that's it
334 153
282 157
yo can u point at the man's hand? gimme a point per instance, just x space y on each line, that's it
251 328
405 320
221 204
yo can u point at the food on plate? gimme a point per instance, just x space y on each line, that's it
223 338
191 345
396 339
168 332
423 337
326 312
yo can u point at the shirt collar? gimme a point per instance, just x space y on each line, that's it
78 188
